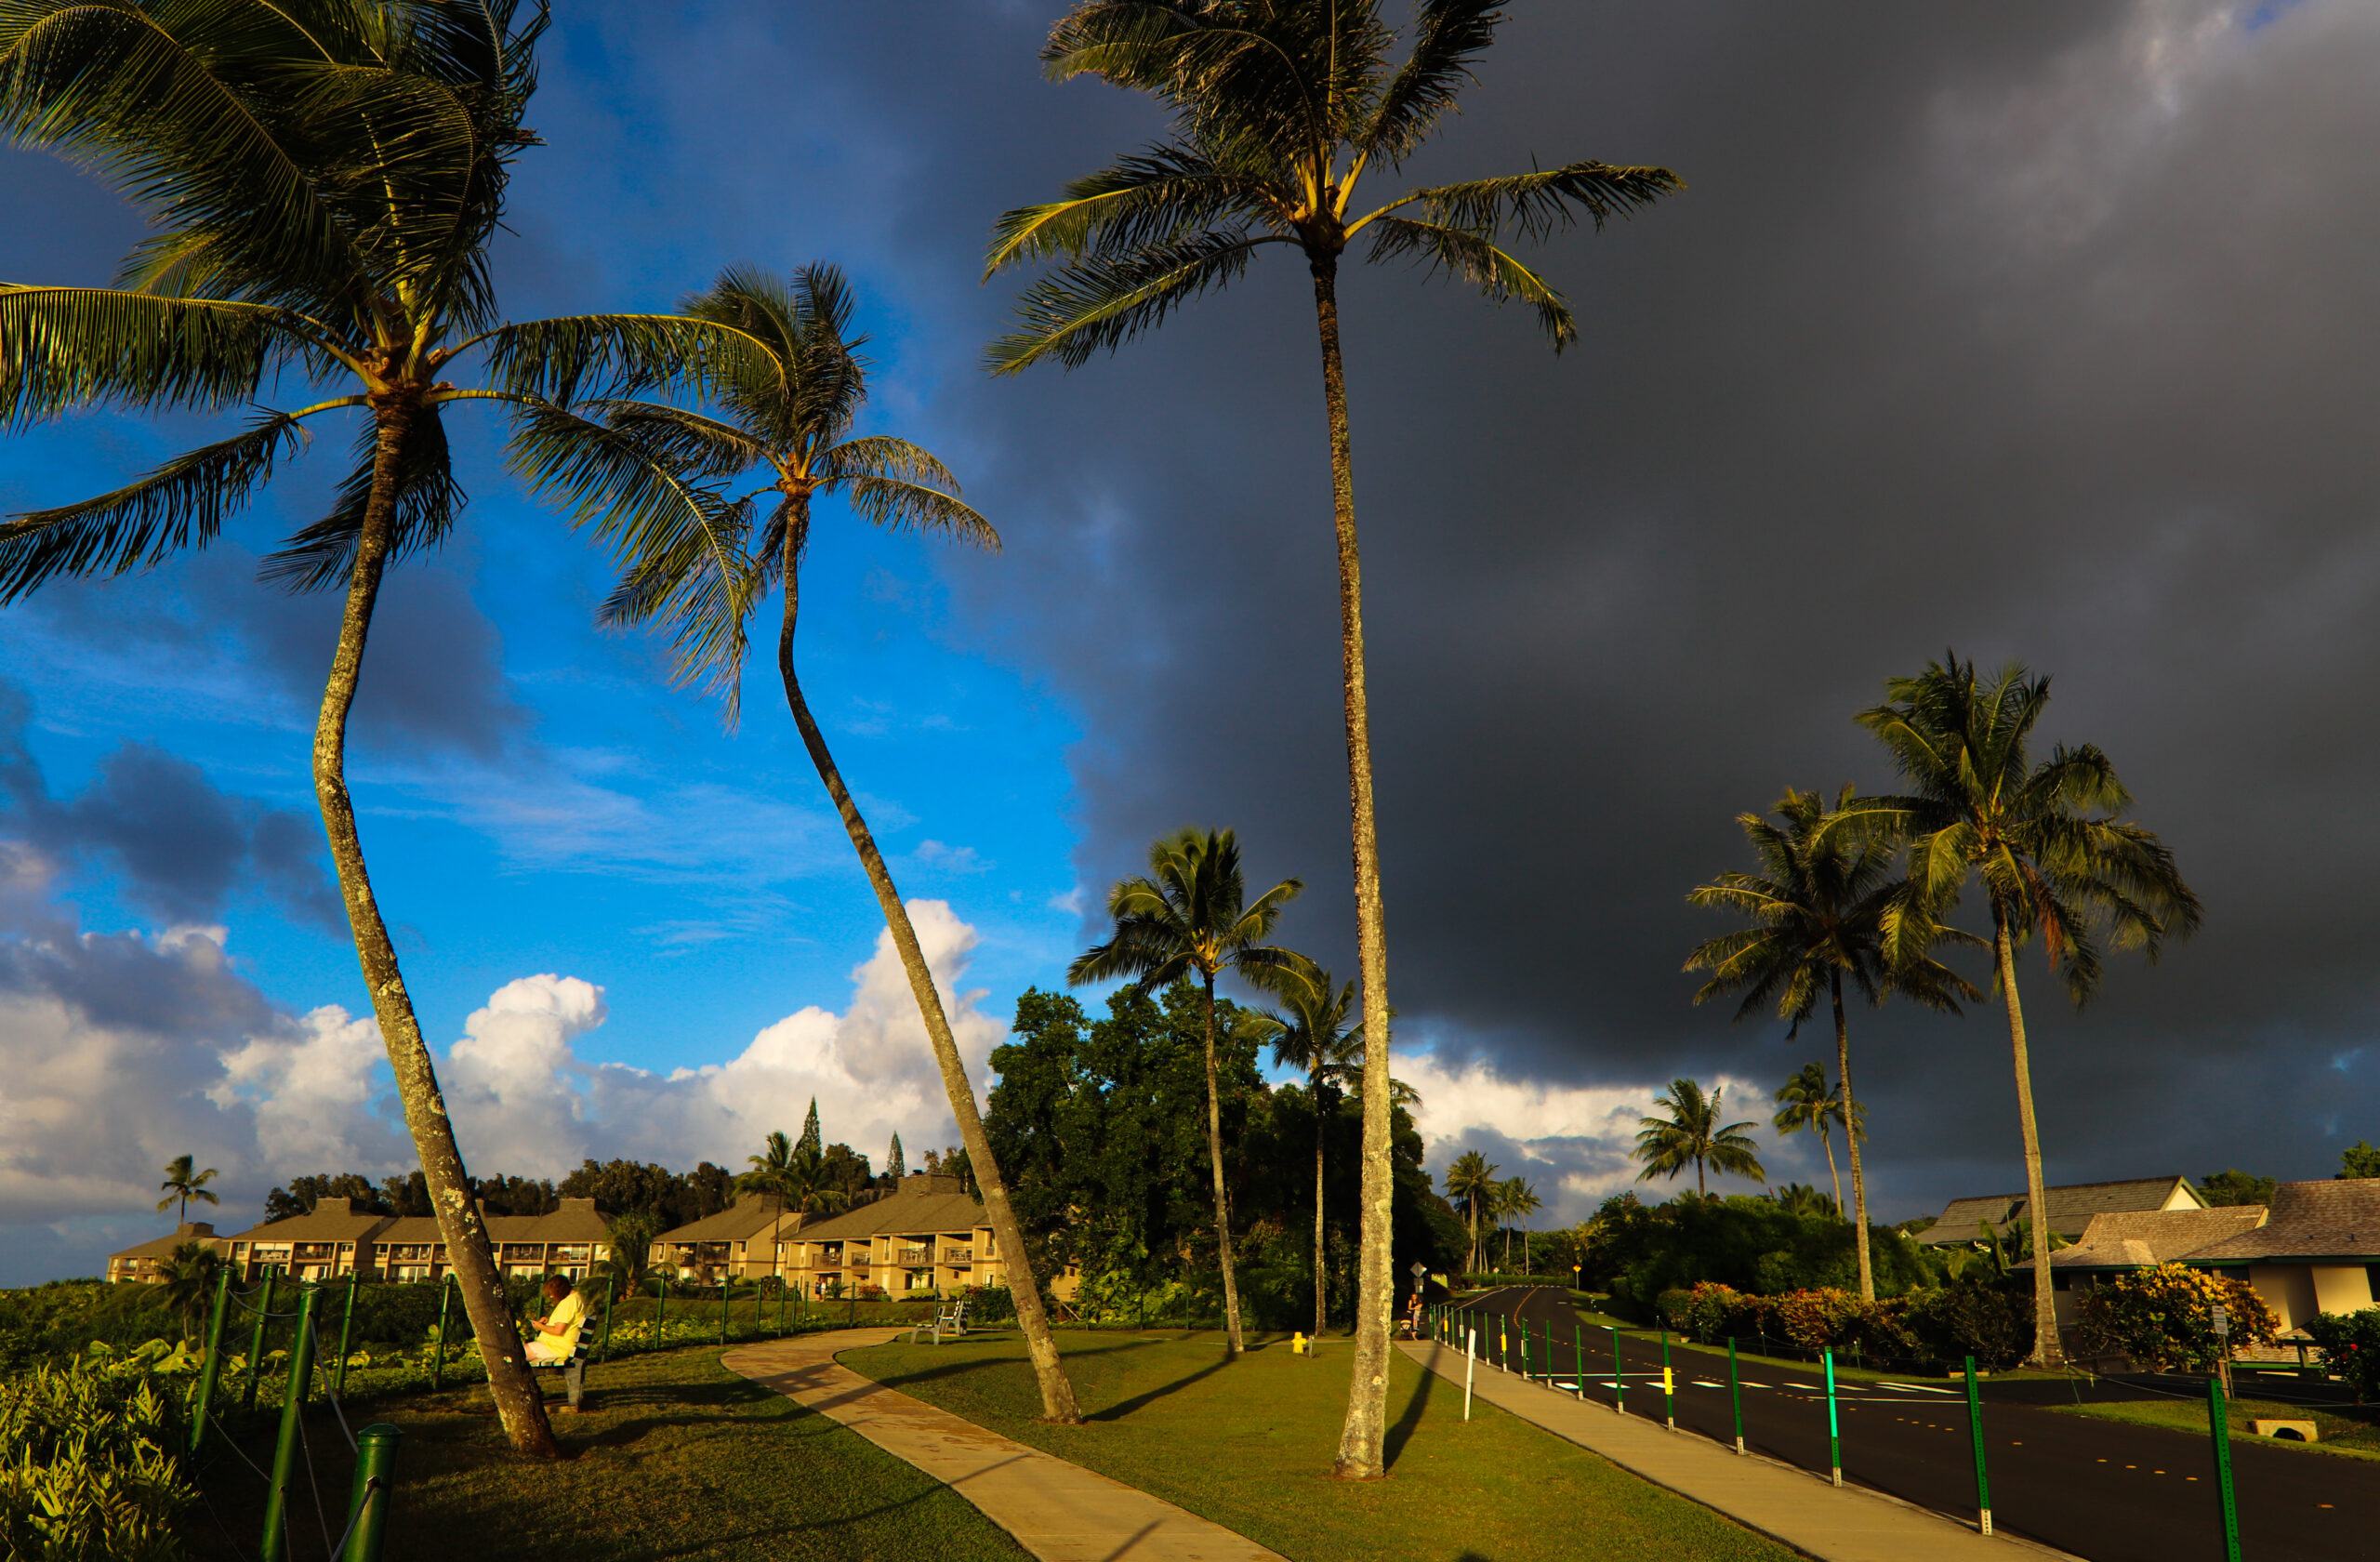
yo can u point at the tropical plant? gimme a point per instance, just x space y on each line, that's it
187 1278
783 414
1279 109
1803 1200
631 1247
1692 1135
1191 915
1815 912
1313 1035
1472 1179
1516 1200
322 192
2350 1347
2041 841
182 1183
91 1470
769 1168
1807 1101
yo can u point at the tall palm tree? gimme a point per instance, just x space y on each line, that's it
1313 1035
784 416
770 1168
322 186
1279 109
1693 1135
1517 1201
1472 1178
1191 914
1817 911
183 1183
2041 839
1807 1101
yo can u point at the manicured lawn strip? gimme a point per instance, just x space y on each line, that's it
1250 1445
2350 1437
673 1456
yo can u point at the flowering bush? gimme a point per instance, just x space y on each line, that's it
1818 1320
2350 1344
2164 1317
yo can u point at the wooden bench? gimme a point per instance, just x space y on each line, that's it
952 1317
574 1371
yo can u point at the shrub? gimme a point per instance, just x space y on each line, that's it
1975 1314
2351 1344
990 1303
2164 1317
92 1474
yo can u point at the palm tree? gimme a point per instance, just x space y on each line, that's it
1192 914
1314 1036
322 197
1280 108
184 1183
1807 1101
1517 1200
188 1280
2041 839
1817 910
770 1168
784 415
1803 1200
1692 1134
1472 1178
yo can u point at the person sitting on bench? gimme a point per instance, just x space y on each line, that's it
557 1336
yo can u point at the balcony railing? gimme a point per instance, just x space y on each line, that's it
914 1255
958 1255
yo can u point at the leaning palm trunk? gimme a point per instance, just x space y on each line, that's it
519 1403
1057 1394
1321 1291
1232 1343
1362 1440
1834 1172
2047 1351
1851 1134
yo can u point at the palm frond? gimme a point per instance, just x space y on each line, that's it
78 346
1544 202
319 557
1102 301
1151 197
1465 254
567 357
1447 35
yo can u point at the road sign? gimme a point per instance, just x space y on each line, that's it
1419 1268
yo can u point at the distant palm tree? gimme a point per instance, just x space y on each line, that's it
1817 909
1472 1178
769 1168
1693 1135
1803 1200
1516 1200
1807 1101
183 1184
2041 839
1191 914
785 416
188 1280
1280 109
1312 1034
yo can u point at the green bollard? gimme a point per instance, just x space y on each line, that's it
346 1331
604 1345
438 1357
207 1375
1619 1375
1736 1392
2218 1421
1669 1385
1578 1357
1975 1425
1833 1425
661 1307
274 1544
256 1345
726 1289
367 1506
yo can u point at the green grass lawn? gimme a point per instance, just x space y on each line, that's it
2354 1436
1250 1446
673 1456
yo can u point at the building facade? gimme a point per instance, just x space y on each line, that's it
335 1238
140 1265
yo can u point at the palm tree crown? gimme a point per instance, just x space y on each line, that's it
1692 1135
1472 1178
1313 1035
1807 1101
183 1183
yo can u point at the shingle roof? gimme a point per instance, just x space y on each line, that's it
739 1222
2310 1220
331 1220
163 1246
939 1207
2071 1206
2135 1239
575 1222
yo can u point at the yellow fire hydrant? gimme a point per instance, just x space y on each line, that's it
1298 1345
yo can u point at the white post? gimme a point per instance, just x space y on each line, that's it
1469 1365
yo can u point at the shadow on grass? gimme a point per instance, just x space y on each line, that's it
1402 1432
1123 1408
960 1368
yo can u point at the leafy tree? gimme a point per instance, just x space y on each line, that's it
785 415
1692 1135
187 1278
1817 911
1472 1178
2223 1188
2358 1160
299 1195
895 1166
184 1182
2041 841
508 1195
1312 1034
1279 109
322 188
1191 914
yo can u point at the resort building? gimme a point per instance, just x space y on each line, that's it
139 1264
2071 1207
745 1240
2115 1244
335 1238
2315 1253
331 1239
925 1237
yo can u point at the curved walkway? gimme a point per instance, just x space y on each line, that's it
1057 1510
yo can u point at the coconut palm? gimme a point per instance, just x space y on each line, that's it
1280 109
1516 1200
322 192
2041 838
187 1280
1191 914
784 416
1312 1034
1692 1135
1472 1178
1807 1101
183 1184
1817 910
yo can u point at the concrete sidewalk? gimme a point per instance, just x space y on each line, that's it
1058 1511
1846 1524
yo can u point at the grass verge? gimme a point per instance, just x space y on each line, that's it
2351 1437
673 1456
1250 1445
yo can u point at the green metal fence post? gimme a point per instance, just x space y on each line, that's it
1974 1425
345 1331
438 1352
1736 1392
367 1506
1619 1375
255 1343
1669 1386
726 1286
603 1345
661 1307
2218 1421
1578 1357
1833 1425
207 1375
275 1544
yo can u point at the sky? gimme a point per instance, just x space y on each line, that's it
2042 332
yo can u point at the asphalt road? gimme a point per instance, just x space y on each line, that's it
2099 1490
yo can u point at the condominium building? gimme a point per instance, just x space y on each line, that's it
140 1263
